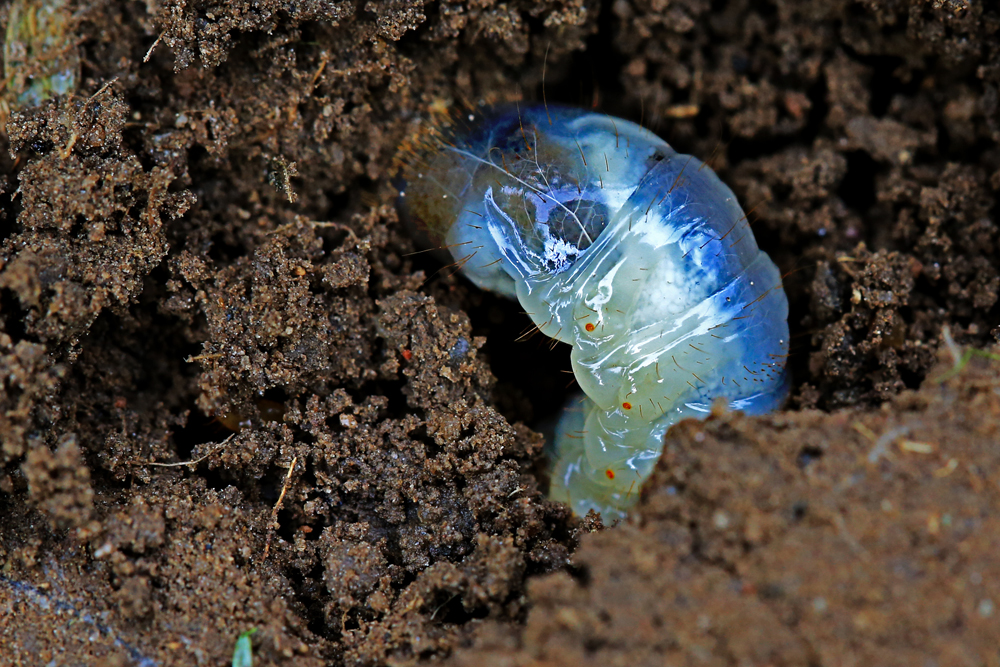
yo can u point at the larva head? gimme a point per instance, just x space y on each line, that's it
520 194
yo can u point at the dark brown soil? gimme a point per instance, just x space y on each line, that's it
231 396
845 538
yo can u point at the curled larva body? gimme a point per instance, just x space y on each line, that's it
637 256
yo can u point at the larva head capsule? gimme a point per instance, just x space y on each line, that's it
516 194
638 257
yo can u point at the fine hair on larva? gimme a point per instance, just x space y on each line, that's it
638 257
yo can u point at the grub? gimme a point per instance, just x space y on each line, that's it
160 290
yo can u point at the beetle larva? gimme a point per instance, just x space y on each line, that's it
637 256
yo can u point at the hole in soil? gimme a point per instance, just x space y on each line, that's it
885 83
534 377
224 249
16 316
216 479
199 430
447 609
431 448
857 189
287 525
533 372
580 573
312 595
807 455
593 76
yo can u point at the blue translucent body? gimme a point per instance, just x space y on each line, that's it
638 257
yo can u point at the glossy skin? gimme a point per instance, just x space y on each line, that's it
638 257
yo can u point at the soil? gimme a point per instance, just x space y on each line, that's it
232 396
